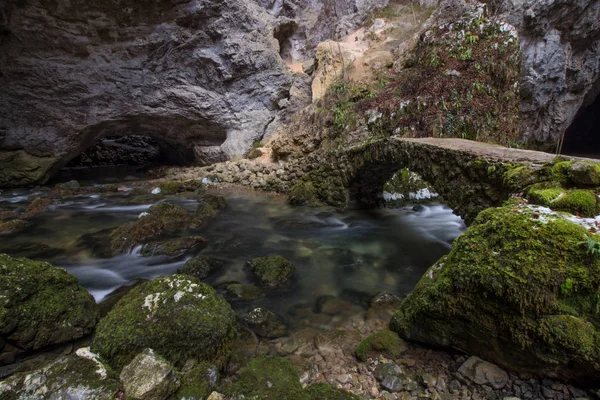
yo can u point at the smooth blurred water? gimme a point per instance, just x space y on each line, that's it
366 251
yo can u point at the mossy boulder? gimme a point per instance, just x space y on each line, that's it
173 247
201 266
517 289
303 192
266 323
167 188
272 272
210 207
162 220
384 342
77 376
40 305
585 173
178 316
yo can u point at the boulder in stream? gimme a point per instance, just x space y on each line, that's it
272 272
520 289
178 316
40 305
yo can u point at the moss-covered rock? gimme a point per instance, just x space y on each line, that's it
579 202
517 289
173 247
201 266
198 380
210 207
268 378
384 342
178 316
167 188
161 220
272 272
78 376
266 323
18 168
40 305
303 192
585 173
575 201
8 228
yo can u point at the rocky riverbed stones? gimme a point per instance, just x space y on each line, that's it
149 377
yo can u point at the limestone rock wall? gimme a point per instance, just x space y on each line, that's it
560 43
192 73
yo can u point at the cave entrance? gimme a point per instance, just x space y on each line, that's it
582 138
116 157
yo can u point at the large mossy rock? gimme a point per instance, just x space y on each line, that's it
161 220
177 316
78 376
518 289
40 305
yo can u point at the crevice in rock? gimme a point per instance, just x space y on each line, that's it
283 33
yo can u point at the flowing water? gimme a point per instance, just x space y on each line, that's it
335 253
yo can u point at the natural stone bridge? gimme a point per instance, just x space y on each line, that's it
470 176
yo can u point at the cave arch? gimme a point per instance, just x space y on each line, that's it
178 139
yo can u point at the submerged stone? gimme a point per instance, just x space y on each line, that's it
272 272
173 247
244 292
519 289
201 266
266 323
8 228
40 305
178 316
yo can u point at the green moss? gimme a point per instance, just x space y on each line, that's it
178 316
205 211
42 305
254 153
323 391
167 188
580 202
197 381
493 293
18 168
301 193
272 272
386 342
543 193
518 177
244 292
216 202
560 171
268 378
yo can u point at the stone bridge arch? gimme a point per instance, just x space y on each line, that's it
470 176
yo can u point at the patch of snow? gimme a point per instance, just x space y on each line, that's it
144 214
156 190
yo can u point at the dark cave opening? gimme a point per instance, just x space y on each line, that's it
115 157
582 138
283 33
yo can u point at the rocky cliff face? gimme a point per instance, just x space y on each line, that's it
195 74
205 77
560 44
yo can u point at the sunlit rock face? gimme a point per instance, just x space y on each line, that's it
194 74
